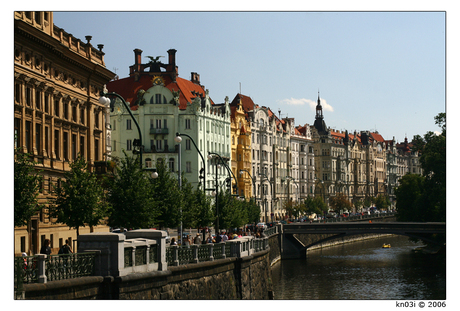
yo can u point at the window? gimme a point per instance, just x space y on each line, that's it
17 132
188 167
28 137
151 123
65 142
171 164
38 133
56 107
129 144
187 144
187 124
74 146
128 124
28 96
96 119
82 146
82 116
165 123
46 143
114 125
38 100
158 122
158 144
56 143
17 93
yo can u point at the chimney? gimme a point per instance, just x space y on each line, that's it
171 67
195 78
172 59
137 56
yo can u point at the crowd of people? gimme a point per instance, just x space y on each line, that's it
223 236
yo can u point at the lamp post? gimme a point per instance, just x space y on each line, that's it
210 156
178 139
264 202
104 100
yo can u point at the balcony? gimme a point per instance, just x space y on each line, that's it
159 131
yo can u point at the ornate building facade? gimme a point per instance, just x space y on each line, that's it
163 104
57 116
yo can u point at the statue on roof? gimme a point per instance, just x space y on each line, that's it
155 64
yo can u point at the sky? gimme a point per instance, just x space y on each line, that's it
382 71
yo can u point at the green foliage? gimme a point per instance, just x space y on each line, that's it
131 196
408 194
294 209
167 196
367 202
197 211
80 200
382 202
252 211
340 202
26 188
423 198
315 205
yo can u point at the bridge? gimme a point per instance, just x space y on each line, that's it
318 233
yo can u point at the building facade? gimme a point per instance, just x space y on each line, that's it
164 105
57 116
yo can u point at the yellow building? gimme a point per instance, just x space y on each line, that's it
241 150
57 82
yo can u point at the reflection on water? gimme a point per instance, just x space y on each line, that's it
362 270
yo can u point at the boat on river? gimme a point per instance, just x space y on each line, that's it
386 245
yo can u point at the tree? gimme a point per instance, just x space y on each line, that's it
197 211
339 202
167 196
80 200
315 205
428 194
26 188
382 202
131 196
294 209
409 194
252 211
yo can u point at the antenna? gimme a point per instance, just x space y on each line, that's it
240 87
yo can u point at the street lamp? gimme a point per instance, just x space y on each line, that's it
252 178
178 139
104 100
210 156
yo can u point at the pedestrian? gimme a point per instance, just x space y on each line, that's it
218 238
46 249
188 242
65 249
197 239
173 241
224 236
209 239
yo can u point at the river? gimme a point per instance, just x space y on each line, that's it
363 271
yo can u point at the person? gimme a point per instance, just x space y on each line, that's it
46 249
224 236
65 249
218 238
173 241
197 239
187 241
209 239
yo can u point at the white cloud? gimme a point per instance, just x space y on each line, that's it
304 101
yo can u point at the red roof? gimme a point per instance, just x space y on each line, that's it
128 88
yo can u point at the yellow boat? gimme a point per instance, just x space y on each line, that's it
386 246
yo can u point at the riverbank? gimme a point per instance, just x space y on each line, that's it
349 239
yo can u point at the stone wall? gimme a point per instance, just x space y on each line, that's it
231 278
